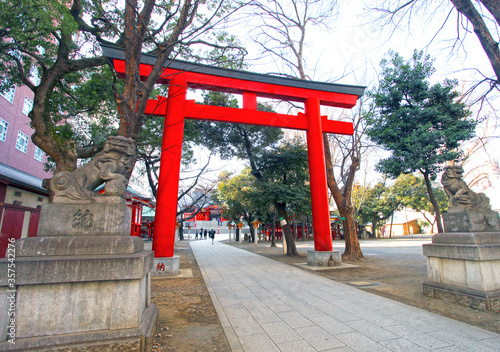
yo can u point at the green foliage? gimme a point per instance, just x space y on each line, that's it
422 125
411 191
234 140
285 178
58 41
379 203
376 204
27 27
237 195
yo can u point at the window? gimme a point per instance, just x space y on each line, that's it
14 52
34 76
9 94
22 142
38 154
4 125
28 105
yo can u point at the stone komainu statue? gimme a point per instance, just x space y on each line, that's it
112 165
460 196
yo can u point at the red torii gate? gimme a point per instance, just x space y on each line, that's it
180 75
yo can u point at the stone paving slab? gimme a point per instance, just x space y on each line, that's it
265 305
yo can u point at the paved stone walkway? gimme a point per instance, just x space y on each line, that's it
265 305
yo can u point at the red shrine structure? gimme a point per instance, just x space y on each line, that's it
181 75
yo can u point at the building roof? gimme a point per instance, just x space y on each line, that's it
132 196
135 196
22 179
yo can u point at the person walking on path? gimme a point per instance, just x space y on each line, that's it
196 235
212 235
205 234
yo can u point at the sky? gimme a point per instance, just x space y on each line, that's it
355 42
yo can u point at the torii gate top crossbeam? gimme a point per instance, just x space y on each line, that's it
239 82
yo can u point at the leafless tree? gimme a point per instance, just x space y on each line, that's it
343 156
193 179
282 34
482 17
281 30
162 27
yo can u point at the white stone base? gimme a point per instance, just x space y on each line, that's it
464 268
80 303
316 258
474 275
166 266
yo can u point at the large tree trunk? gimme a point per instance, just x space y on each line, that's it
291 249
489 44
433 200
273 233
181 232
352 247
493 6
344 203
374 227
252 233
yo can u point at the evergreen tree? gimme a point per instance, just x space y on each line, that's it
422 125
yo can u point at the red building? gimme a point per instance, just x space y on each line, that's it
212 212
21 169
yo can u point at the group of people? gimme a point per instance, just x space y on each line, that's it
203 234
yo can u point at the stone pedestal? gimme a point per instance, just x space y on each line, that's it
166 266
464 267
82 285
317 258
471 221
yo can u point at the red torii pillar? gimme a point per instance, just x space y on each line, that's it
170 165
317 175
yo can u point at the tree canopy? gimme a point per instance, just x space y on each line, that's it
378 205
481 17
53 48
411 191
421 124
282 183
237 195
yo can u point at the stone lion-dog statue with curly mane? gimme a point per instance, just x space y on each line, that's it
461 197
113 166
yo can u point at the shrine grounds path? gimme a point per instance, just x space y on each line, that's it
264 305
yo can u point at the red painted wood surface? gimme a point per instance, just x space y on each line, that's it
317 174
170 166
33 225
248 116
11 228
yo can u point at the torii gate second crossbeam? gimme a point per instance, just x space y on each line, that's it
180 76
